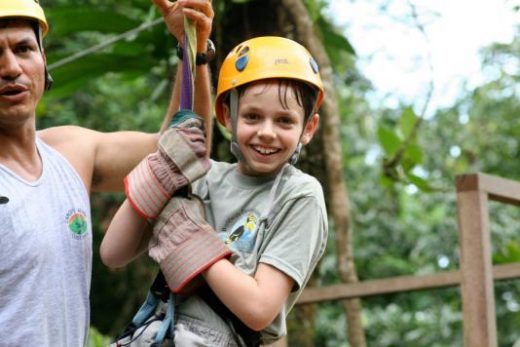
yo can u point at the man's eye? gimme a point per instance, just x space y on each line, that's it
23 49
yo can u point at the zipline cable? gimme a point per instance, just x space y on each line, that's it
105 44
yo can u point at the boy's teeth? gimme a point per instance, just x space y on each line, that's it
265 150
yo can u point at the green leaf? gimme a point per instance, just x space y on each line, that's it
385 181
70 77
68 20
388 140
334 41
413 156
407 121
511 254
419 182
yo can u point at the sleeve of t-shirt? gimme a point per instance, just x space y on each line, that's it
298 239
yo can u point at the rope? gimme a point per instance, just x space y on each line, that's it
188 65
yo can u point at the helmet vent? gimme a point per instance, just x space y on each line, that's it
314 65
243 59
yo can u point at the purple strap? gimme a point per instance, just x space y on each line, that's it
187 78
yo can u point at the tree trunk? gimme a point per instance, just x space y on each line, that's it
339 203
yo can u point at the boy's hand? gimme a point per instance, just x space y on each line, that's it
184 244
180 159
199 11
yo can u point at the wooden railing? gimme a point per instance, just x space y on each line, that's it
476 275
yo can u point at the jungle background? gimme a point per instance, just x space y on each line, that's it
388 172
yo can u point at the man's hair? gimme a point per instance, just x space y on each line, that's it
306 95
7 21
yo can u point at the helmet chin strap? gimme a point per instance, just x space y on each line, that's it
234 147
233 110
296 155
39 38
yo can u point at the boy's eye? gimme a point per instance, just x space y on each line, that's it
250 116
285 120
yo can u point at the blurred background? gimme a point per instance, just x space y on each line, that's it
418 92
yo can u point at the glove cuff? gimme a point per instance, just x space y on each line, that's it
193 257
144 192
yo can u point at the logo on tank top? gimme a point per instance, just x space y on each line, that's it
240 232
77 222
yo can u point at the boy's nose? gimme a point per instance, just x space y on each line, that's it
267 130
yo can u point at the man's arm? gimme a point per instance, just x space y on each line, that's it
117 153
128 233
201 13
101 159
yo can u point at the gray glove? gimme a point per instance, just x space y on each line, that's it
184 244
180 159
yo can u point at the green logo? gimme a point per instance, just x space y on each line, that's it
77 221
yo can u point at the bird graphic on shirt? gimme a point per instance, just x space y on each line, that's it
249 225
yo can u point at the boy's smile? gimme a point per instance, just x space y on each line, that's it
268 131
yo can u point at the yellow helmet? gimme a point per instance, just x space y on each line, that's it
266 57
30 9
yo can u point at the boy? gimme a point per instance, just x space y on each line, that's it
269 214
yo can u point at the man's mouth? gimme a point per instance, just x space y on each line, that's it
13 93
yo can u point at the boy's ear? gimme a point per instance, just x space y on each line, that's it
310 128
227 117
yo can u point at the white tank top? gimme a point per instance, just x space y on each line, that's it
45 256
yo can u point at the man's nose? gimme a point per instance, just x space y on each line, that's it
10 67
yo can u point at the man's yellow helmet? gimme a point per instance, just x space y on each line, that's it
29 9
262 58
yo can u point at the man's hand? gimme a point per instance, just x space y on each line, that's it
199 11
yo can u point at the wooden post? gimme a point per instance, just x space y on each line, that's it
476 276
476 268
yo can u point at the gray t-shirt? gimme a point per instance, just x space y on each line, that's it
287 230
45 257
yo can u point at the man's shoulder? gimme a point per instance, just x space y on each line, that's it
63 135
75 144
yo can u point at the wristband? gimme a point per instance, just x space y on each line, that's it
201 58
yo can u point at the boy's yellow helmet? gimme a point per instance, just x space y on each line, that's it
266 57
29 9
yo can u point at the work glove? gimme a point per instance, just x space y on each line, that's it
180 159
184 244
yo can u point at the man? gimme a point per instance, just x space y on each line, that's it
46 177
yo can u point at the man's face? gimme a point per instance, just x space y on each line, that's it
22 72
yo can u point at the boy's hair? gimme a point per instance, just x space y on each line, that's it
305 94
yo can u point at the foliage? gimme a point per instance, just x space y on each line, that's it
403 226
96 339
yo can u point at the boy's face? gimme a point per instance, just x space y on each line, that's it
267 132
